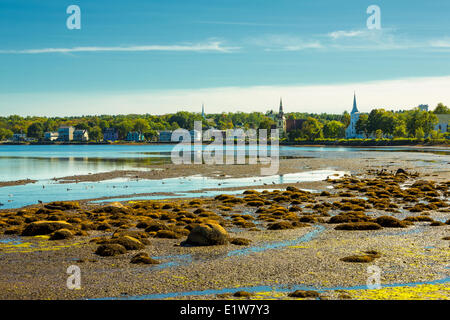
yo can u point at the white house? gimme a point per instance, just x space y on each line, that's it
51 136
443 120
81 135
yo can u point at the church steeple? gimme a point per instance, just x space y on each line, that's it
281 119
203 110
355 108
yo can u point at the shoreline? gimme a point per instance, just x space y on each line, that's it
320 143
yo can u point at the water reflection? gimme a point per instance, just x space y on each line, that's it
22 195
49 161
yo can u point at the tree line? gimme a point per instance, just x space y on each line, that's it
379 122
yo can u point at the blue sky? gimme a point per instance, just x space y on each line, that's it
163 56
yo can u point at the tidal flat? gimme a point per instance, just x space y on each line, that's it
283 239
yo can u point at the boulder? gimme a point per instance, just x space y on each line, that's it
390 222
62 205
242 294
240 241
143 258
304 294
132 233
128 242
61 234
113 207
155 226
282 225
359 226
365 258
45 227
167 234
207 234
110 249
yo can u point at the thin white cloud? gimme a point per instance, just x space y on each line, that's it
249 24
283 42
345 34
215 46
443 43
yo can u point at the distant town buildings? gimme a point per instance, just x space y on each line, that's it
19 137
213 134
282 124
423 107
442 125
65 133
294 124
195 135
51 136
110 134
81 135
165 136
135 136
351 132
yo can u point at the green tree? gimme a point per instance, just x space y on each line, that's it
82 126
96 133
5 134
141 125
334 129
419 134
375 120
441 109
361 124
124 127
400 131
295 134
417 119
266 124
379 134
36 130
50 125
312 129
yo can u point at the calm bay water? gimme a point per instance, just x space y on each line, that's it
45 162
50 161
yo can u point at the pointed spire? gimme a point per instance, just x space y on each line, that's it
355 108
281 106
203 110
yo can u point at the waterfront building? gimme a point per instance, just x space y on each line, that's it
165 136
110 134
51 136
19 137
213 133
135 136
443 121
81 135
65 133
423 107
195 135
294 124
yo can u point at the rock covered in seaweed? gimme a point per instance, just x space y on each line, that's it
207 234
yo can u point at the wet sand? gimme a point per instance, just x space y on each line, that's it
414 260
